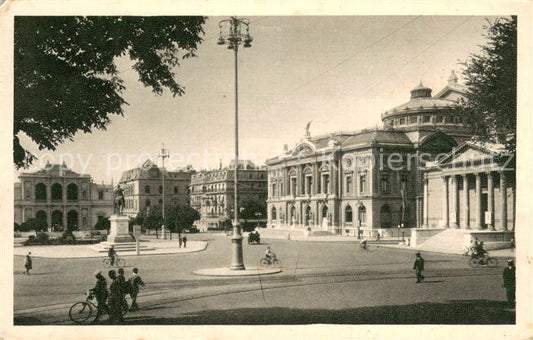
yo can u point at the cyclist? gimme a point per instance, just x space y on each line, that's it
270 256
100 292
112 254
480 251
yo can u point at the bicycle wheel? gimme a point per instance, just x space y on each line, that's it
120 262
492 262
276 263
264 262
107 262
474 262
81 312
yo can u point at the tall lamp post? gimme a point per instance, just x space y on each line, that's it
163 154
234 32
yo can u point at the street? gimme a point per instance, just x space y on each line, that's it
321 282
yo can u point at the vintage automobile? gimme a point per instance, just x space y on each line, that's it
254 236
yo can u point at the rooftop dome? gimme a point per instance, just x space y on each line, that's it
421 91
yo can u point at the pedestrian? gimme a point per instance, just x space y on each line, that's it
100 292
419 267
135 282
509 282
115 299
27 264
184 239
125 287
180 240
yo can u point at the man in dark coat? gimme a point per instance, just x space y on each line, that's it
100 292
27 264
135 282
115 299
419 267
509 282
125 287
112 255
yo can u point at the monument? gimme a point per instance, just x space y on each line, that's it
119 232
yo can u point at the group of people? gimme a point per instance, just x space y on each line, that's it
113 301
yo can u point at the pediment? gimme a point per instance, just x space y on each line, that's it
305 148
468 153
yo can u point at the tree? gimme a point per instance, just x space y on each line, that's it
490 104
103 223
250 207
180 217
36 224
66 78
153 218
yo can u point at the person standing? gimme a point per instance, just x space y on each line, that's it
419 267
27 264
509 282
100 292
125 287
135 282
180 240
115 299
112 255
184 239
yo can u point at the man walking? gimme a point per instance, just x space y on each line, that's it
135 282
125 287
112 255
27 264
184 239
100 292
509 282
115 299
419 267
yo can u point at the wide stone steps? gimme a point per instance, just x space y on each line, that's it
103 247
450 241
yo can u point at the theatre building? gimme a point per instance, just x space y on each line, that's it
368 180
62 198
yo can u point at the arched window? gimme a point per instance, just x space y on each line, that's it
160 189
147 202
72 219
385 216
362 214
40 192
348 214
274 215
57 192
41 216
57 220
147 189
72 192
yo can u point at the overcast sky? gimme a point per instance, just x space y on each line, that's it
339 72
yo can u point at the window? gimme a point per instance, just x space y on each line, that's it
40 192
160 201
72 192
160 189
57 192
384 183
147 189
293 186
325 184
362 215
362 182
175 189
100 194
348 215
401 121
426 119
349 183
457 119
413 119
439 119
148 203
281 189
308 185
273 193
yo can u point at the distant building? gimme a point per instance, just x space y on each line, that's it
143 187
212 192
366 180
62 198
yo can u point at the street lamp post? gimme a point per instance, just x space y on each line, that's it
163 154
234 32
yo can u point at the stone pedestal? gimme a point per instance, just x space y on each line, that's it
119 232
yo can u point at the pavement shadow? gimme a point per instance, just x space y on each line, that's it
466 312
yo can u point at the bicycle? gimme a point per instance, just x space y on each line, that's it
266 262
84 312
475 262
119 262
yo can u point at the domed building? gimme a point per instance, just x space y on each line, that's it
366 181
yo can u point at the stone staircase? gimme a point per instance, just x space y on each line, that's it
103 247
451 241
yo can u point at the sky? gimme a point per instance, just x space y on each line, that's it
340 72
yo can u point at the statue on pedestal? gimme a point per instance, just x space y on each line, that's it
118 202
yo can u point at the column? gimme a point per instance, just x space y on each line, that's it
65 218
479 213
490 201
503 191
445 203
426 203
455 202
466 203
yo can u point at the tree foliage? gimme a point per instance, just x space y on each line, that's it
66 78
250 207
180 217
490 104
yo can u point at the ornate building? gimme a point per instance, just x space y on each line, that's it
62 198
370 179
143 187
212 192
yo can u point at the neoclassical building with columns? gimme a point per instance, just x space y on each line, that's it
376 179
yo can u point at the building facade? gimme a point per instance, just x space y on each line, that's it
62 198
212 192
366 180
144 185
